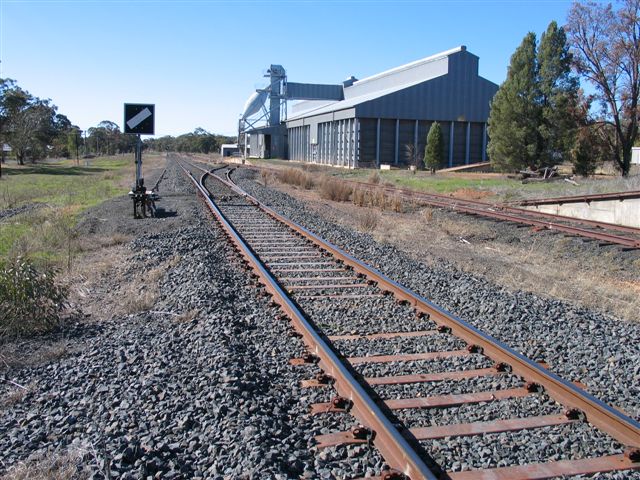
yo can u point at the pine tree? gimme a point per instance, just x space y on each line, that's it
515 114
558 97
434 151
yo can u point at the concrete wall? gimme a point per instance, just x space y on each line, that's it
611 211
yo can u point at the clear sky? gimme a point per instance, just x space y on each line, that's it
199 60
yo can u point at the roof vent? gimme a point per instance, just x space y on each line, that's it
349 81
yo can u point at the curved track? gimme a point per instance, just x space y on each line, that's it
320 287
605 233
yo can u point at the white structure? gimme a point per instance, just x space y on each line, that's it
635 156
228 149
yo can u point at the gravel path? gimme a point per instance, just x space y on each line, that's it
579 344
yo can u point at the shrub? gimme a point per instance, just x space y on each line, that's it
336 190
30 300
434 151
374 178
294 176
360 197
368 220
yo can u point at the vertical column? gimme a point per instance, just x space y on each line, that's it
415 144
347 138
468 144
397 146
484 142
378 145
339 144
356 141
451 130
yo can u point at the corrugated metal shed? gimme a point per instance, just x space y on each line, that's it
382 115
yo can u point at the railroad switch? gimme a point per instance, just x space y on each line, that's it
143 199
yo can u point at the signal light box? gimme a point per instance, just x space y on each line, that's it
139 118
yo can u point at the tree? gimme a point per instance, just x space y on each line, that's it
29 124
606 51
515 140
558 88
434 151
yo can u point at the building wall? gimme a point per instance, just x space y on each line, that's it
328 143
460 95
378 131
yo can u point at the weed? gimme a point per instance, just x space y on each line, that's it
30 300
187 316
70 465
374 178
427 214
336 190
397 204
294 176
12 397
138 301
360 197
368 220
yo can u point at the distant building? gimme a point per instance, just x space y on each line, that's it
635 155
384 118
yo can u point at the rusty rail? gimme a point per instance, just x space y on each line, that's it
608 419
595 197
392 445
514 214
400 455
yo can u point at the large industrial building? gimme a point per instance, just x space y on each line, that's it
385 118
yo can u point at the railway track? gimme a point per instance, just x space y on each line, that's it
589 230
430 390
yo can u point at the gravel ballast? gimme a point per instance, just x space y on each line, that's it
198 386
579 344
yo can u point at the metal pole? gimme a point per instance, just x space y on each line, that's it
138 161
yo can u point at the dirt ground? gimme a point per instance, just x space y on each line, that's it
545 263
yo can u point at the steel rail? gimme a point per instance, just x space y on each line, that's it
606 418
595 197
409 194
390 442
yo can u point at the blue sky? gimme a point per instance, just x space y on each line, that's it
199 60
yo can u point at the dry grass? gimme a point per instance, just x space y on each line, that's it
297 177
374 178
267 177
427 214
136 300
368 220
188 316
471 194
335 190
77 463
12 397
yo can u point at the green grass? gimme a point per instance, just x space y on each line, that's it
63 191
